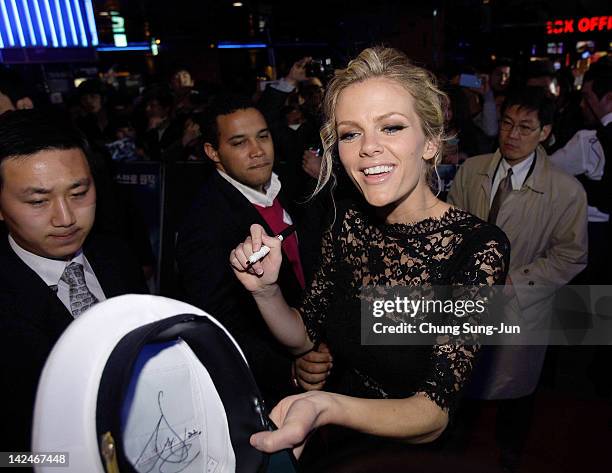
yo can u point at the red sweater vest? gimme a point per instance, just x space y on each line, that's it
274 218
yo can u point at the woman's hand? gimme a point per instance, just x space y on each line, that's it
295 417
263 274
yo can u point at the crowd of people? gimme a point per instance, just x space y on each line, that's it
350 162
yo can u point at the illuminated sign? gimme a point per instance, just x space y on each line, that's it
582 25
47 23
119 36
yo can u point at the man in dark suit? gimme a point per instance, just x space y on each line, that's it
51 269
244 191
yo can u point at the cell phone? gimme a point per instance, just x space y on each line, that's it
470 80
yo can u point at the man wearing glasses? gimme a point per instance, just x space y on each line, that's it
543 211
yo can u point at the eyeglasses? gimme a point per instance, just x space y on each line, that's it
524 130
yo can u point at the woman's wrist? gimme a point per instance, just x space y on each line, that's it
329 406
269 290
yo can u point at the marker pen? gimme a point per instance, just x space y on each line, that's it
264 250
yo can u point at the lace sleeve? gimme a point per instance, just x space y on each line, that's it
451 363
315 305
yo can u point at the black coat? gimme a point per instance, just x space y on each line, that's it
219 220
32 318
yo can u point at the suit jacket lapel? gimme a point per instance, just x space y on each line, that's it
35 301
244 211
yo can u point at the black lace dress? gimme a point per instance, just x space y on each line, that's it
456 249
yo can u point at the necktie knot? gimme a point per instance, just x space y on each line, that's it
73 274
81 298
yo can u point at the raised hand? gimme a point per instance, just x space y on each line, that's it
264 273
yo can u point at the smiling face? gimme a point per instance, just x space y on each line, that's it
245 151
382 145
48 201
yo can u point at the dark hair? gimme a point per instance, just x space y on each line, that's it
534 99
601 75
27 132
90 86
161 93
542 68
221 105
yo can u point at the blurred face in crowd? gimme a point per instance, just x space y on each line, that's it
181 79
245 151
154 109
500 78
593 108
382 145
91 103
48 201
548 83
520 133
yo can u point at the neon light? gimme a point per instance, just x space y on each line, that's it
583 25
51 25
124 48
75 41
41 27
92 23
60 20
29 21
22 42
241 46
9 30
1 45
77 7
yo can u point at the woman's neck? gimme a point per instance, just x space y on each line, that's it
419 205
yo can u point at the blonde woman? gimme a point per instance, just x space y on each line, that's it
384 120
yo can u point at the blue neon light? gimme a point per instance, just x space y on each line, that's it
77 7
73 34
54 23
51 24
241 45
41 28
92 22
60 23
22 42
9 29
29 23
129 47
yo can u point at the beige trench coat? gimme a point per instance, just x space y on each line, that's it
546 223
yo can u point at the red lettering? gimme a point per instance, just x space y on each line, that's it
549 28
593 23
569 26
583 25
601 23
610 22
558 26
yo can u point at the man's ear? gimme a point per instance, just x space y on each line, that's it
606 102
545 132
431 148
211 152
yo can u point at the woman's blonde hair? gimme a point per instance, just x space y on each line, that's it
388 63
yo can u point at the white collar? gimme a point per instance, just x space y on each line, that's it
519 170
607 118
49 270
271 189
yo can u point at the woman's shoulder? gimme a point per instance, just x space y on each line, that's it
478 232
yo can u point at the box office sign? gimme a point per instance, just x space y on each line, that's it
579 25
